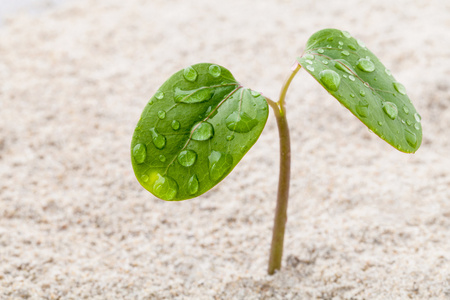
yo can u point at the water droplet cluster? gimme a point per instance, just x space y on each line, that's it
163 166
351 73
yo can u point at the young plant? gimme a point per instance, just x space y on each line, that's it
201 121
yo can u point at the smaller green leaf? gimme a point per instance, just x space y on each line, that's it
357 79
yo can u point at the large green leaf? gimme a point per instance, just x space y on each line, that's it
353 75
194 130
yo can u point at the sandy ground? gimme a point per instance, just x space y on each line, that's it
365 221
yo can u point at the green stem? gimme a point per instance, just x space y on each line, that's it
279 225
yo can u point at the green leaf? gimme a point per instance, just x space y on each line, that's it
194 130
357 79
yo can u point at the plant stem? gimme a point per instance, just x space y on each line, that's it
279 225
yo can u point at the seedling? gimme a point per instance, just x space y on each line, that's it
201 121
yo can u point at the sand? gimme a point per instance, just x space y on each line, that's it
365 220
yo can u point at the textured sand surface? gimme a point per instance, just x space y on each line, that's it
365 221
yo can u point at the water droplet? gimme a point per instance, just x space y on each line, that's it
139 153
409 122
159 95
161 114
187 158
352 95
193 96
144 178
400 88
190 74
325 62
219 164
361 43
388 72
311 68
345 53
362 93
214 70
309 62
405 109
175 125
165 187
362 108
320 50
193 185
230 137
343 65
346 34
309 56
380 123
411 138
341 43
158 140
351 77
330 39
330 80
417 117
390 109
202 131
366 84
365 65
255 94
240 122
351 47
417 126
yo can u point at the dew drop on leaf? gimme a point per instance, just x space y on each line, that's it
187 158
346 34
365 65
214 70
320 50
230 137
219 164
417 126
351 77
411 138
362 93
144 178
417 117
345 53
388 72
159 95
161 114
158 140
362 109
343 65
240 122
193 185
202 131
400 88
165 187
311 68
190 74
390 109
405 109
162 158
330 79
361 44
350 46
175 125
139 153
193 96
309 56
